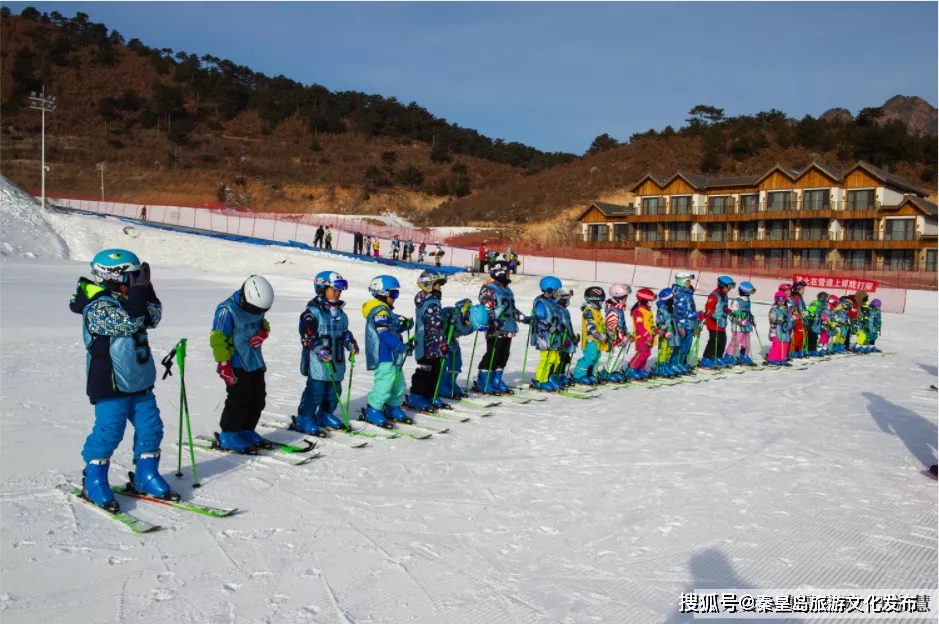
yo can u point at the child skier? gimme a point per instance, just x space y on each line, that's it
324 338
596 340
569 339
376 244
238 331
644 324
617 328
395 247
799 333
742 325
686 318
456 324
669 340
421 250
780 326
385 352
430 343
438 254
816 319
117 310
547 335
498 298
715 317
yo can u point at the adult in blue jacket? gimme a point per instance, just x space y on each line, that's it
117 310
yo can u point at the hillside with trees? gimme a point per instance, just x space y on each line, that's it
199 125
711 143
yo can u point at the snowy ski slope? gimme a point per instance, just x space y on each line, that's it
557 511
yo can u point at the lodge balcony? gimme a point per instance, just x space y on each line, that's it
772 239
761 211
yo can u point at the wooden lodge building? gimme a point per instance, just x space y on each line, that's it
861 217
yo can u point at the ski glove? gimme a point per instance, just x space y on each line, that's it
444 349
494 325
139 278
323 354
682 332
226 373
257 339
541 342
405 323
352 346
669 335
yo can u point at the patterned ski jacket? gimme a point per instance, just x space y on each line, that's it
429 336
594 327
780 322
686 313
616 321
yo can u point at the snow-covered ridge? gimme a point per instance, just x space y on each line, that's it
24 231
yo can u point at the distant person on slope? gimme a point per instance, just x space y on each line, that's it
438 254
117 310
395 247
498 298
238 331
483 255
325 338
318 237
328 238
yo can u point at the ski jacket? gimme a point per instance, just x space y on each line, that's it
323 324
686 313
594 327
453 320
644 324
383 341
547 333
616 321
665 324
569 344
715 311
874 322
232 328
780 322
500 302
741 314
118 361
818 316
428 333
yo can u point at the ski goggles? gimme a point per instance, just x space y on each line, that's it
394 293
340 284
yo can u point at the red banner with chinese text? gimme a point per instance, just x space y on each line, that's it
847 283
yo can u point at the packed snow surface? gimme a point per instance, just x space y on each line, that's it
24 231
557 511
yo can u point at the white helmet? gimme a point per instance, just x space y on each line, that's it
682 277
618 291
257 295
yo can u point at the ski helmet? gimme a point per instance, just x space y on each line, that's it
479 317
666 294
822 296
564 297
725 281
785 287
328 279
682 278
833 300
550 285
257 295
746 288
463 306
594 294
875 303
620 291
112 267
499 271
645 294
427 279
846 302
780 296
799 284
384 286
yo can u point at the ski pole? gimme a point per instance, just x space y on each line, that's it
443 362
694 347
349 388
527 343
338 391
760 342
470 366
181 361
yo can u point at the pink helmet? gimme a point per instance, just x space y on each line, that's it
785 288
618 291
780 294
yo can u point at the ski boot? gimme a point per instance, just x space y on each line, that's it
499 384
419 403
746 361
328 420
543 386
556 381
306 424
232 441
617 377
395 413
95 486
439 405
254 438
634 375
707 363
484 383
730 360
146 478
373 416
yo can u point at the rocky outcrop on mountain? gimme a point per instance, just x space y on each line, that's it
919 115
837 114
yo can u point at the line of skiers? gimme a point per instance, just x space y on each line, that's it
119 305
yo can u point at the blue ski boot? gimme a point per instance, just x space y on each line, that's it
730 360
557 383
544 386
707 363
634 375
395 413
254 438
416 401
484 383
147 480
586 380
499 384
374 417
233 441
95 486
617 377
328 420
306 424
438 404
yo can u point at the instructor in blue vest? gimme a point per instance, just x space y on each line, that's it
238 331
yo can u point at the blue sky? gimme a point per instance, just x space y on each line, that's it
555 75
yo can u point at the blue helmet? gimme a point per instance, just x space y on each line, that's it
328 279
112 266
384 286
726 281
479 317
746 288
550 285
665 294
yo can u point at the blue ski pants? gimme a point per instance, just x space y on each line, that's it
452 367
587 361
111 417
686 343
318 394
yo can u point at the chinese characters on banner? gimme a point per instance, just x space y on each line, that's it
846 283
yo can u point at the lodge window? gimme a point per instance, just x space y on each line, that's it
814 229
901 229
779 200
857 258
898 260
747 231
649 232
931 260
777 230
749 203
681 204
719 205
860 200
652 206
813 258
596 233
622 232
680 232
815 200
858 230
716 232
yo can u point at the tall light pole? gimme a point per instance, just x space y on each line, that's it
102 167
45 104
